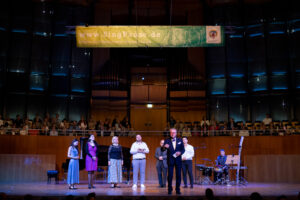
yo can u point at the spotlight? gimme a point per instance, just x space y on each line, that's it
149 105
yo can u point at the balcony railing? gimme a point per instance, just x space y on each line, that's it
131 133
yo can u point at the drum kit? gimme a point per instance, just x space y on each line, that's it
233 163
208 168
207 171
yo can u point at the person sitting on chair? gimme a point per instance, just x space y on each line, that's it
221 167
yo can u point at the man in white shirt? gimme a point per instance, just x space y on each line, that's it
187 162
138 150
267 120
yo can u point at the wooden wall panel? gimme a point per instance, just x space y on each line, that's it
273 168
100 114
207 147
188 116
148 119
25 167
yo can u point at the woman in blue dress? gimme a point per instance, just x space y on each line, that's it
73 171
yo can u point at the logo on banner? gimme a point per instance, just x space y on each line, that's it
213 34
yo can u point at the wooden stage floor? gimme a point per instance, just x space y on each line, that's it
104 190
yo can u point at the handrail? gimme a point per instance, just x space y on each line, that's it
76 132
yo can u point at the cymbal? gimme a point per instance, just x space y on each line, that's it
206 159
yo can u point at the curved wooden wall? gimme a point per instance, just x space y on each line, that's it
208 147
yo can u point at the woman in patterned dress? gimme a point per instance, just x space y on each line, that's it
73 170
115 163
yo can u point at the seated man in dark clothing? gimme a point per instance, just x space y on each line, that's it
221 168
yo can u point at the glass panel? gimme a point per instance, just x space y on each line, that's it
36 105
78 108
278 53
236 59
80 15
79 85
238 109
256 50
19 53
295 44
237 86
298 81
297 110
279 82
217 86
38 83
60 85
62 18
58 104
3 56
219 109
80 61
280 108
4 15
17 82
22 17
61 56
40 55
260 107
258 83
215 58
15 105
42 19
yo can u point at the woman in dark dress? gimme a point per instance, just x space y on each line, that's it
91 160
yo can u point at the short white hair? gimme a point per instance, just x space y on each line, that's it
115 137
173 129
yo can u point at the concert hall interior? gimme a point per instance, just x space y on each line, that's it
102 99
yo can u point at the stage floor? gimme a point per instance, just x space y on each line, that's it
102 189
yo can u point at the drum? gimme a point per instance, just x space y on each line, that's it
218 169
207 171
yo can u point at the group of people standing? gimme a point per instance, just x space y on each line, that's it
173 153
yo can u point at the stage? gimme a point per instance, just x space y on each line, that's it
270 190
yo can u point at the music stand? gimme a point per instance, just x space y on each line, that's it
231 161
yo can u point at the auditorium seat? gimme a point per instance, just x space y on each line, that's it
285 122
276 124
257 125
249 125
294 123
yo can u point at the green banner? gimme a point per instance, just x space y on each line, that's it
149 36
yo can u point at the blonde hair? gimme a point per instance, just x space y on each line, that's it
112 140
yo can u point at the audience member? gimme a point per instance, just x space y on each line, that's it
255 196
267 120
53 131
